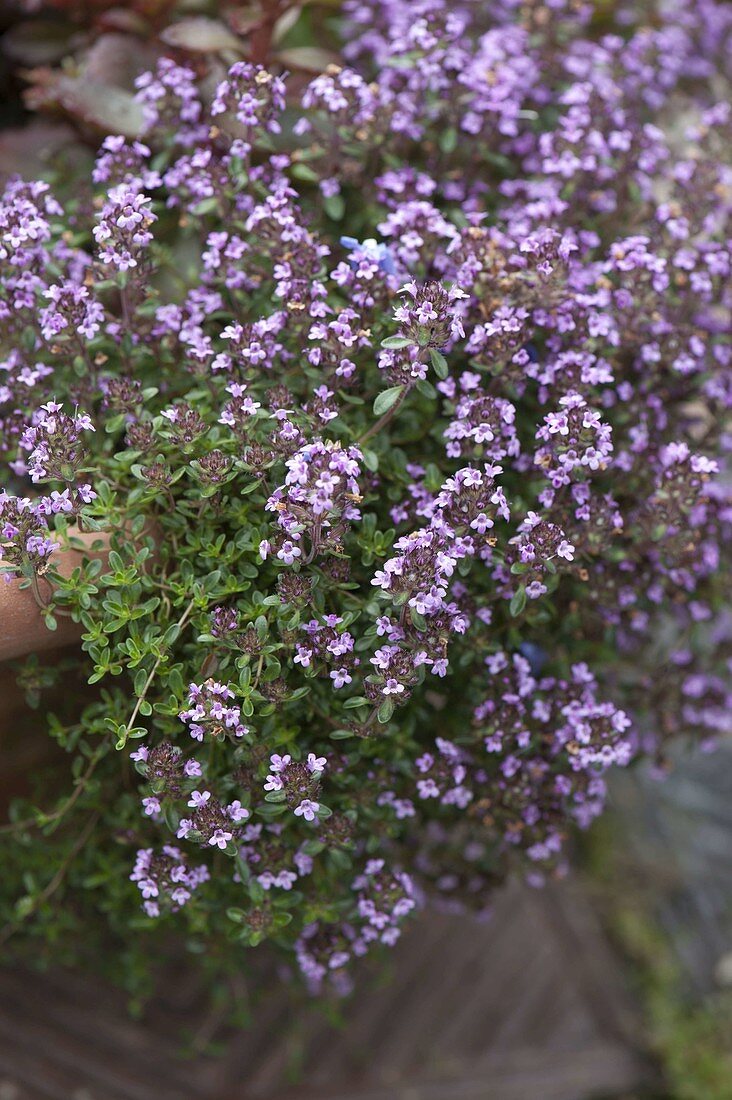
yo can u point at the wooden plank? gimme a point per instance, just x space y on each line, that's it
88 1036
469 1006
601 1069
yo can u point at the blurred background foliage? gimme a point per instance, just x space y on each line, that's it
68 67
687 1028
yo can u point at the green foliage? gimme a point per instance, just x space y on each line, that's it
690 1037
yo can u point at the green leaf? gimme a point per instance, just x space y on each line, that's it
418 619
426 389
140 681
386 399
256 892
271 809
340 859
243 869
449 140
385 711
313 847
356 701
304 172
171 634
396 342
518 601
433 477
201 35
335 207
439 363
311 59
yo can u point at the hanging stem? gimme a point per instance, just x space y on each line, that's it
57 815
42 602
55 882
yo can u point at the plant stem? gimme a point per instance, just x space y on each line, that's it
258 672
42 603
388 415
151 676
260 39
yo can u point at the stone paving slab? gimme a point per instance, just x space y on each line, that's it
677 840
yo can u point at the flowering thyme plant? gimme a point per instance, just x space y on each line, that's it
401 402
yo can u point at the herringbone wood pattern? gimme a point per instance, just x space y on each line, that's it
526 1005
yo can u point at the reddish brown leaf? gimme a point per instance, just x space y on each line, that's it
201 35
40 42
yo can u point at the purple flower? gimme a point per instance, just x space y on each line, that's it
307 809
220 838
340 677
237 812
199 798
288 552
392 687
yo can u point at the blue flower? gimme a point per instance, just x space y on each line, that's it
373 250
535 655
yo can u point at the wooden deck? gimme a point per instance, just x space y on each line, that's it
530 1005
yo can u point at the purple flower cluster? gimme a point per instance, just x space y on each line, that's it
419 577
540 547
317 502
383 899
210 823
296 783
25 539
421 372
171 102
430 319
573 437
24 221
121 162
123 230
210 714
54 448
547 742
255 98
327 646
71 311
165 879
272 862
